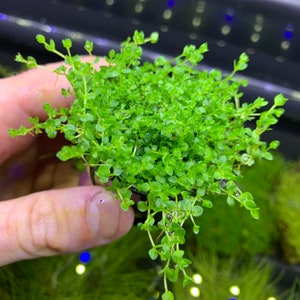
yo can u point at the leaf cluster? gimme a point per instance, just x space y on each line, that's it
163 128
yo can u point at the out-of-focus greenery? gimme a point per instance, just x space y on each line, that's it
288 213
120 270
223 279
7 70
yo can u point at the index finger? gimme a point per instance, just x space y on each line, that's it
23 96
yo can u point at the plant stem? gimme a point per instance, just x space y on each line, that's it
151 239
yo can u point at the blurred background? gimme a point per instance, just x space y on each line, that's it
269 32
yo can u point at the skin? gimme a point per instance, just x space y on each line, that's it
46 208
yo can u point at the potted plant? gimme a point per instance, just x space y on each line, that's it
164 129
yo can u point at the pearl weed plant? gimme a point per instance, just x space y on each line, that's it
163 128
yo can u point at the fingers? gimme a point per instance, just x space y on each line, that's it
23 96
60 221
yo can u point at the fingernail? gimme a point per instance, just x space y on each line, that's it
103 216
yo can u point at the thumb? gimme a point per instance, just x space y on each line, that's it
60 221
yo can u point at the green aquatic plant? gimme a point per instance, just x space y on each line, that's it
164 129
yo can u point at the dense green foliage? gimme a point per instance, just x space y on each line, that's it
165 129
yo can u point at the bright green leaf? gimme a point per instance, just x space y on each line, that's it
167 295
153 254
197 211
41 39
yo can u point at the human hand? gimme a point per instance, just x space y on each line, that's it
41 212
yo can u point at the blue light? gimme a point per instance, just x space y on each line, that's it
289 32
171 3
3 16
229 15
85 257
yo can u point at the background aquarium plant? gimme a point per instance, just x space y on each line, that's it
116 271
287 210
216 278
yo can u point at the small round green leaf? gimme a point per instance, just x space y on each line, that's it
153 254
154 37
67 43
197 211
142 206
167 295
40 39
